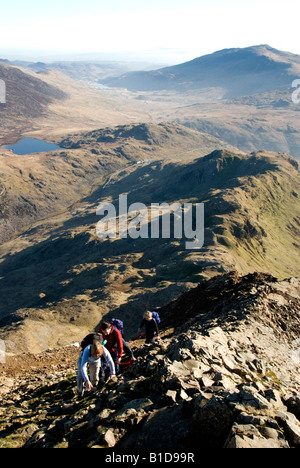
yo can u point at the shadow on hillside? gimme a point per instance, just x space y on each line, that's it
49 271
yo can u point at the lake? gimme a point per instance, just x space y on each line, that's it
31 146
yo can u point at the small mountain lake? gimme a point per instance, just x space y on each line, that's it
31 146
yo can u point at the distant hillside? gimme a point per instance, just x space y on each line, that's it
27 97
269 121
87 70
34 187
238 72
48 104
25 93
68 278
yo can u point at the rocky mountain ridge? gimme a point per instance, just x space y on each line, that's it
226 374
71 279
33 187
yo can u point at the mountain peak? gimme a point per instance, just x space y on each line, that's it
240 71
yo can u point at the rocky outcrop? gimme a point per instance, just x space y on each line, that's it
225 377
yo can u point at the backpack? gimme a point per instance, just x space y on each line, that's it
118 324
156 317
89 339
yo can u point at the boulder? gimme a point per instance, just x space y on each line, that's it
249 436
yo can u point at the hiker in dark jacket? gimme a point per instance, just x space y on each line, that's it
114 342
151 328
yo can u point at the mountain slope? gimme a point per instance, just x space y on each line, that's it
27 99
49 105
71 279
225 374
33 187
268 121
26 94
238 72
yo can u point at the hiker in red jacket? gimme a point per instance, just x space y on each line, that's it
114 342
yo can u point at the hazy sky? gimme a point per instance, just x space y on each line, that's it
182 29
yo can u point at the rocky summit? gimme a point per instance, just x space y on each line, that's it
225 374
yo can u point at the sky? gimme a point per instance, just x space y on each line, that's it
170 30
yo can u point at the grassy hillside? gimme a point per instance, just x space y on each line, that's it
33 187
27 100
68 278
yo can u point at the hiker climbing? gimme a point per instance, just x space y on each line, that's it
114 342
126 348
151 321
90 359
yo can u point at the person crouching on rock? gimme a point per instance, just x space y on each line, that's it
90 358
151 328
114 342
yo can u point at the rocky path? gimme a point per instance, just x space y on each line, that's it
227 377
